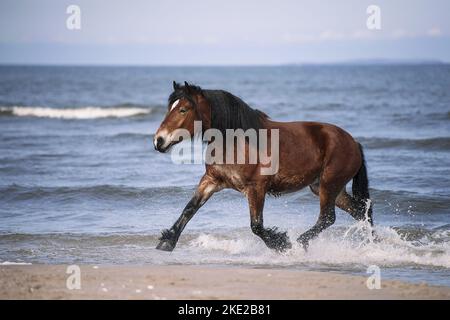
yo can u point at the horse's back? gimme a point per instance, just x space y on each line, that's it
309 136
307 148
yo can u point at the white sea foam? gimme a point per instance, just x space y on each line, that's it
75 113
350 247
9 263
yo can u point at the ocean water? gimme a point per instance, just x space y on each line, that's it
80 181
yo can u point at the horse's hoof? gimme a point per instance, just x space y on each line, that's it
283 246
165 245
304 243
279 241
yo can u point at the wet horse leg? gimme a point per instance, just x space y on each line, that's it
357 209
271 237
327 214
205 189
346 202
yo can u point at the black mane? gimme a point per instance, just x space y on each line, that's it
227 110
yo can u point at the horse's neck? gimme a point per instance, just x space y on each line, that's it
270 124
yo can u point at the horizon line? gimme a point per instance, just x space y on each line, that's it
353 62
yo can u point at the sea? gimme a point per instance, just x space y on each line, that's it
80 181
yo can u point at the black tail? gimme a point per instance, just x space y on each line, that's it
360 187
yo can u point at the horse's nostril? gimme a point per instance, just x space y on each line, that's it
159 142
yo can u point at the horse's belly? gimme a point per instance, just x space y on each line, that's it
287 184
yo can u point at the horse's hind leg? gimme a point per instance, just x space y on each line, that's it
344 201
273 239
357 209
327 214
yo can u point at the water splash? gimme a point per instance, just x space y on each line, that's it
363 227
340 247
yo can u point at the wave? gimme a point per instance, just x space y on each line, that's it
100 239
437 143
132 135
340 247
88 112
9 263
105 192
14 192
406 202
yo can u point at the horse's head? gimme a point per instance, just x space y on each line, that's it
186 105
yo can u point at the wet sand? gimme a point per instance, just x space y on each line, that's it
199 282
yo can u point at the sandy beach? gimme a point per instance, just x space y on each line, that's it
199 282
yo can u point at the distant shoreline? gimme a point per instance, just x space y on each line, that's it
361 63
199 282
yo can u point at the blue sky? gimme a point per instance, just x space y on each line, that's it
232 32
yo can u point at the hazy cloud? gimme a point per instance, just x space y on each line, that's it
230 31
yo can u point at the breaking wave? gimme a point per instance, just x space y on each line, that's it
338 248
89 112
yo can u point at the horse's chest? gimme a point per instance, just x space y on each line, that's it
230 178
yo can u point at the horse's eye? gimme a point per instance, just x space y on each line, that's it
183 111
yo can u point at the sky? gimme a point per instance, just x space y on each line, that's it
231 32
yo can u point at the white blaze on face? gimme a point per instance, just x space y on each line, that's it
164 134
174 105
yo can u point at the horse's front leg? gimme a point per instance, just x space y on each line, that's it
271 237
205 189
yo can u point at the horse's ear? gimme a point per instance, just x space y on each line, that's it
187 88
175 85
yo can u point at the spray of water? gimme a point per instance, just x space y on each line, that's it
363 227
356 246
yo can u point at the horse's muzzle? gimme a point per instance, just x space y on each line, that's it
161 146
158 143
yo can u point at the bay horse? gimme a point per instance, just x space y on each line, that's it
319 155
